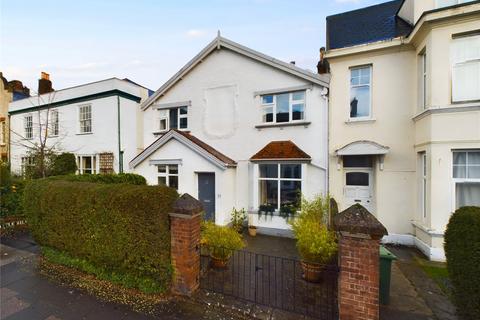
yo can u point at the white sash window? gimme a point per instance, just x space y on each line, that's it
466 68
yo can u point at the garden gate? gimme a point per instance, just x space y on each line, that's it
272 281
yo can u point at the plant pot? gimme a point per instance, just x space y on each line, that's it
218 263
252 231
312 272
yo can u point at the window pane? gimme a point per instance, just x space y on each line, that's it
268 192
268 170
162 181
291 171
183 110
459 171
365 76
162 168
459 158
297 111
473 172
473 158
183 123
290 192
173 118
163 124
267 99
355 73
467 194
267 114
87 165
299 95
360 102
357 179
357 161
283 107
173 182
173 169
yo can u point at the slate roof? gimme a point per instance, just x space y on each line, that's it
370 24
280 150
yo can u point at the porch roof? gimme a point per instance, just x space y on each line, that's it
362 147
281 150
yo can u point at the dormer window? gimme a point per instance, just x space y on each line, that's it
283 107
172 118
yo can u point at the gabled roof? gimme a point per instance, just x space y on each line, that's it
370 24
362 147
192 142
221 42
281 150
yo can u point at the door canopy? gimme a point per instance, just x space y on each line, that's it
362 147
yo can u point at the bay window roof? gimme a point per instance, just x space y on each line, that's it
281 150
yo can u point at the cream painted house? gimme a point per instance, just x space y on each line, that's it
404 119
237 128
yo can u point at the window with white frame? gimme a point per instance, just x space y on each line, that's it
283 107
466 68
87 164
423 78
54 123
85 118
279 185
360 92
466 177
423 183
447 3
3 132
28 126
173 118
168 175
27 162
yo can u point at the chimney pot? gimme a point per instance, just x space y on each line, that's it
292 62
45 76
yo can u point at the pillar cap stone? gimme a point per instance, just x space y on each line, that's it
358 220
187 205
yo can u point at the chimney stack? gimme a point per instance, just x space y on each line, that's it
323 66
44 83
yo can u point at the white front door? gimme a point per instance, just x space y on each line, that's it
359 188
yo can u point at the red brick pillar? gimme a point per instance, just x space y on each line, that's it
185 244
358 254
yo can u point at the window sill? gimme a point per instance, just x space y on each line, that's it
84 133
361 120
283 124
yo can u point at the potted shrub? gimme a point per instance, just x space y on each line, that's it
221 241
237 219
252 230
316 244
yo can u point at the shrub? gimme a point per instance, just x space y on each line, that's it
11 190
63 163
122 229
315 243
462 249
237 219
129 178
221 240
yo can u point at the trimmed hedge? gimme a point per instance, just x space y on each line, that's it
462 249
121 229
129 178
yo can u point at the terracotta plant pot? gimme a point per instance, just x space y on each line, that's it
219 263
252 231
312 272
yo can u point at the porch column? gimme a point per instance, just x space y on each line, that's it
185 244
359 234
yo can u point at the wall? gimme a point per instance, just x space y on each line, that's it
392 126
5 98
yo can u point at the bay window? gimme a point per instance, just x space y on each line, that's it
168 175
280 184
466 177
466 68
360 92
283 107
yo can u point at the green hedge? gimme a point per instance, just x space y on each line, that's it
121 229
462 249
129 178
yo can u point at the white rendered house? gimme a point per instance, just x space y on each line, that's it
99 122
237 128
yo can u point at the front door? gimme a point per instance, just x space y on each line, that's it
359 188
206 193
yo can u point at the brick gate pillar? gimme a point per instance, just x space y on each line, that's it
358 254
185 244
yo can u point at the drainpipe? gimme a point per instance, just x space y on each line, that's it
120 152
324 95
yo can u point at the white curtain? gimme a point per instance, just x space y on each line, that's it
466 68
467 194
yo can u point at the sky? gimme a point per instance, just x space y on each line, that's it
147 41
